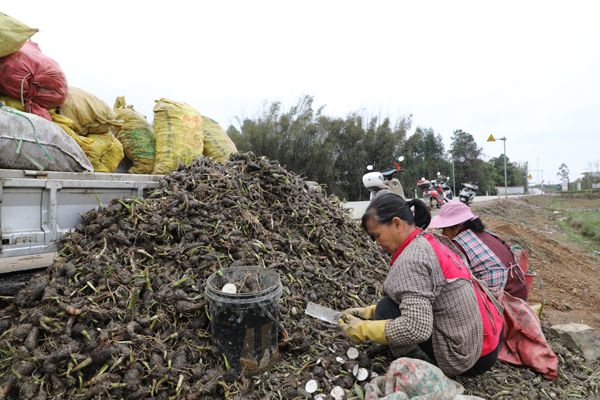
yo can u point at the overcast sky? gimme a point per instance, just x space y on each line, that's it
525 70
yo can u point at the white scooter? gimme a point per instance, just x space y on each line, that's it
384 181
467 193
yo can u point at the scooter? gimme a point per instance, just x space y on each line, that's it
442 186
467 193
383 181
436 192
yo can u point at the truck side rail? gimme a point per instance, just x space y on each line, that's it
38 207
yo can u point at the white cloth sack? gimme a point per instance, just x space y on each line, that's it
31 142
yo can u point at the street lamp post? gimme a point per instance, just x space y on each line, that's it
461 159
492 139
453 179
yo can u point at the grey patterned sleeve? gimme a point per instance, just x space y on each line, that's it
410 284
414 324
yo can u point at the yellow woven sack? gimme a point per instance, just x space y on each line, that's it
88 112
107 152
137 137
179 136
86 144
104 151
13 34
12 103
217 144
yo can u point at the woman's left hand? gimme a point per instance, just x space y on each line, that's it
362 312
360 330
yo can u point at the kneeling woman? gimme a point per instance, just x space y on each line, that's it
431 298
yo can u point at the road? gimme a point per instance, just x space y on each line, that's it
359 207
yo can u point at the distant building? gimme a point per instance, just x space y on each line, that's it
589 180
593 176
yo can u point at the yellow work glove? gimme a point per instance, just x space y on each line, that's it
362 312
361 330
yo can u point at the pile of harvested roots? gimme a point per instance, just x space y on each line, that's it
122 313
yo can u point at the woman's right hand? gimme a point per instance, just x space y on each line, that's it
362 312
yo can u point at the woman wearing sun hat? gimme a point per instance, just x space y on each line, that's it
492 261
490 258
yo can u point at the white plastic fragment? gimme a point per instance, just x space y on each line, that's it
311 386
362 374
229 288
340 360
355 370
319 396
337 393
352 353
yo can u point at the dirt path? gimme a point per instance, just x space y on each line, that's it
569 278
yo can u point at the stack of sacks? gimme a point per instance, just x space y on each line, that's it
179 135
217 144
92 122
26 73
182 135
13 34
28 141
137 137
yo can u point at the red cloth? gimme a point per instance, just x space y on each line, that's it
524 342
515 280
453 268
44 84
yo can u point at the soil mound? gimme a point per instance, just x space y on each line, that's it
567 273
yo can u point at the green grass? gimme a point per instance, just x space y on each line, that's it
587 223
572 235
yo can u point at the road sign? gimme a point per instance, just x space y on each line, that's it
491 138
529 177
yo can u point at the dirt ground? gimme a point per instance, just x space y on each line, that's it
568 282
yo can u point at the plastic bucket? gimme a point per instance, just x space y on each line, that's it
244 325
529 279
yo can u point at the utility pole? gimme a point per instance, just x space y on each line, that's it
537 171
453 179
492 139
461 159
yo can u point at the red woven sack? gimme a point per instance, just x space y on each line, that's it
35 78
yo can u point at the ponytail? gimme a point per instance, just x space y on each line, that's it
422 215
476 225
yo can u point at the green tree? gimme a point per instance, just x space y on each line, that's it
331 151
563 172
424 157
468 166
516 176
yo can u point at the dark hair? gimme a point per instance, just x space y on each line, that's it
386 206
476 225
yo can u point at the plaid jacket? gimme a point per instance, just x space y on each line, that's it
485 264
431 306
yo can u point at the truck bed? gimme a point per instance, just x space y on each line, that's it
38 207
